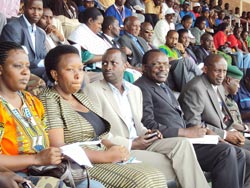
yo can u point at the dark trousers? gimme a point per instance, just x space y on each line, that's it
225 162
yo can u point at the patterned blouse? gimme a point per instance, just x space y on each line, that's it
22 132
60 114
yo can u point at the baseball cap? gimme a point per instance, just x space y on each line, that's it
197 4
170 11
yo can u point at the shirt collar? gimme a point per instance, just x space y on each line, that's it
125 87
109 37
131 36
31 27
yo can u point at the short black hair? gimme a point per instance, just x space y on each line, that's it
123 55
205 36
53 58
5 47
89 13
210 60
26 2
223 26
181 32
108 20
186 17
145 57
199 20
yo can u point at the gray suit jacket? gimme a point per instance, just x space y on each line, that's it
103 99
17 31
200 104
125 40
160 112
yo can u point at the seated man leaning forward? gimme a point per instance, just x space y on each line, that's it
113 98
203 102
162 111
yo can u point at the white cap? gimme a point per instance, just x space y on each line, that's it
197 4
170 11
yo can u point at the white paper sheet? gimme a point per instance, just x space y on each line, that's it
76 153
207 139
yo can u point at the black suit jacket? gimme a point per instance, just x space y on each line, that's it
200 54
111 43
17 31
158 111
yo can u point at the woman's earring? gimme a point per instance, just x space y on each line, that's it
55 82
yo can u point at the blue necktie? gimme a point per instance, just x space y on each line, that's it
138 45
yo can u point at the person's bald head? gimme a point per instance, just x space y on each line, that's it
215 68
132 25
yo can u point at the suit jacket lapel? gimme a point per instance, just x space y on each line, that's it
133 44
109 95
26 31
159 91
213 97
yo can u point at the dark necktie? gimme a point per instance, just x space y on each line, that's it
164 87
115 44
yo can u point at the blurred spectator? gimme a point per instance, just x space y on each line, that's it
66 8
218 8
245 38
147 33
9 8
133 41
186 10
196 9
24 31
83 4
243 97
237 15
162 27
220 18
212 4
198 29
154 7
186 23
119 11
226 9
53 35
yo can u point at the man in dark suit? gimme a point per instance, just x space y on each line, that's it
131 39
203 101
23 30
162 111
110 34
205 48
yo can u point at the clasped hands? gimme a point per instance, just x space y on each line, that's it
235 137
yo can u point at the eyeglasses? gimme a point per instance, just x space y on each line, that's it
159 65
148 31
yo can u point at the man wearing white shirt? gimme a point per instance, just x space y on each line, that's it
162 27
53 36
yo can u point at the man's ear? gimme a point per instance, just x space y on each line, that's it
144 68
205 70
90 20
54 75
228 80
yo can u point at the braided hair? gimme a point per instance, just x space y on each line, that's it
5 47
